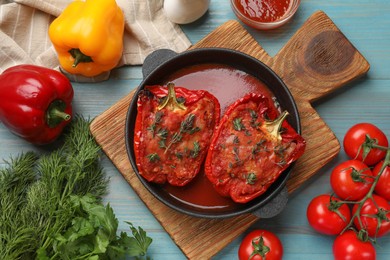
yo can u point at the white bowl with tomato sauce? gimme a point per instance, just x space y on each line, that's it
265 14
229 75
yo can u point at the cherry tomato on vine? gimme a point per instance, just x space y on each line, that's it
327 215
351 180
260 244
382 188
358 139
374 216
349 246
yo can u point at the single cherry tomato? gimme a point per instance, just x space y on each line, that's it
260 244
349 246
382 187
359 138
374 216
327 215
351 180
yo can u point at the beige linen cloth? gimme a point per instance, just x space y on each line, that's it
24 33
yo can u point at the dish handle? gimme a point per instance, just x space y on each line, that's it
155 59
274 206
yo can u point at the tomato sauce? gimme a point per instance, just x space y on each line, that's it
227 84
263 10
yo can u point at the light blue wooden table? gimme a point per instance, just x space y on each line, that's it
365 23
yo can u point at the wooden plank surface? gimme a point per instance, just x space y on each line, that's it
312 64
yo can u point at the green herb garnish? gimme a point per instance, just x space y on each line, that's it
51 205
254 117
237 124
162 133
162 144
258 147
153 157
187 126
157 120
179 155
251 178
236 156
195 152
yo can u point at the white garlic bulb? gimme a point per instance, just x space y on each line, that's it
185 11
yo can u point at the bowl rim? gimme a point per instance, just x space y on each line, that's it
266 25
132 109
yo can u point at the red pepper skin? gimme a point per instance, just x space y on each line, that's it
177 165
248 153
35 102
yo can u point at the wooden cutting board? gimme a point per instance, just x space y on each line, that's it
316 61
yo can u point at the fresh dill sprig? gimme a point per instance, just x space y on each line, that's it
15 180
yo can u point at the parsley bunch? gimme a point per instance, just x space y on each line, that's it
51 205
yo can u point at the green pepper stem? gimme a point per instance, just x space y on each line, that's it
171 99
273 127
78 57
55 113
60 114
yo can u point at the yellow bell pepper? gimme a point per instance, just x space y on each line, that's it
88 36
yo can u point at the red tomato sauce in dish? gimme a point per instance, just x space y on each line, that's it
263 10
227 84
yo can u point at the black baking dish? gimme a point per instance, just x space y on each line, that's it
161 63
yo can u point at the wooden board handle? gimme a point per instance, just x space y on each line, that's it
318 59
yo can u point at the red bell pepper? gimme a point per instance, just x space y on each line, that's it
35 102
252 146
172 132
